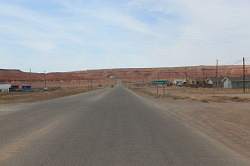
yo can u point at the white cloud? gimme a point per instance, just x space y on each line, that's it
183 32
37 30
210 30
116 17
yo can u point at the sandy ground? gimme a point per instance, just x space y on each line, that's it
199 94
227 121
24 97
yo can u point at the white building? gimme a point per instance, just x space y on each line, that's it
235 82
227 83
179 81
5 88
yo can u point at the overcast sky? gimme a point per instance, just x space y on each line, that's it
64 35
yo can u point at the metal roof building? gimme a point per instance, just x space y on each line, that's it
5 87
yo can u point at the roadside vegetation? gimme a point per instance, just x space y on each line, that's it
39 95
197 94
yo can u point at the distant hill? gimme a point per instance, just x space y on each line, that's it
129 74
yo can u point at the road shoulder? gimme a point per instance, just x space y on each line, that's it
226 123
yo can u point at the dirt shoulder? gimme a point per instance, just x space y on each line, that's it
25 97
227 122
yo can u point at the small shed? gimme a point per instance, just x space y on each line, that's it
209 82
5 87
26 88
214 82
235 82
179 82
217 81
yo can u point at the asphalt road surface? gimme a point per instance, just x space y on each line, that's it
111 127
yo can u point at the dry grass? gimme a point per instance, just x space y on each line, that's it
23 97
199 94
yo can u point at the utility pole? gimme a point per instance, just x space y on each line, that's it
244 75
217 71
203 77
164 90
30 76
88 84
157 86
186 74
45 81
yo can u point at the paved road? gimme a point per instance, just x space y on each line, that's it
104 128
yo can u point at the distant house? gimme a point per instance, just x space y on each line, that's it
215 82
207 83
235 82
199 82
5 87
14 88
